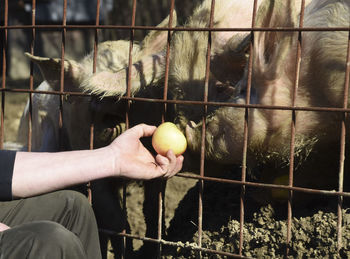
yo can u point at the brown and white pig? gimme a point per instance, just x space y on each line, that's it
320 83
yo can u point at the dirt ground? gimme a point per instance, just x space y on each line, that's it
314 233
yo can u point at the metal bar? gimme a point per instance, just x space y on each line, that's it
202 150
92 126
175 244
342 148
31 80
184 102
63 43
128 27
245 132
293 129
205 103
265 185
162 183
167 59
127 122
3 82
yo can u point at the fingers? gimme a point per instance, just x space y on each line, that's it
170 164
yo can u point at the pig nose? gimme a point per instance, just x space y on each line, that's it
191 124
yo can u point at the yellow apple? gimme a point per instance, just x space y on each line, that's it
168 136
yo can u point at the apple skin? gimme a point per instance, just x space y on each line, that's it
168 136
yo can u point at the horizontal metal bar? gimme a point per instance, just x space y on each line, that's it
191 246
17 90
255 106
223 104
128 27
265 185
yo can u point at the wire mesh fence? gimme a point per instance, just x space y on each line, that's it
132 20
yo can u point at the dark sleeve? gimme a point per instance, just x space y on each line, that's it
7 160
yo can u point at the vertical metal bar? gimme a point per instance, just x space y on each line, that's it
96 36
202 154
167 58
31 80
165 97
63 43
3 83
127 123
342 148
128 90
293 128
245 134
92 126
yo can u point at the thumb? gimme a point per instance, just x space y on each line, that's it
143 130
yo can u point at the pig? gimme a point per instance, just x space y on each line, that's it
320 84
78 112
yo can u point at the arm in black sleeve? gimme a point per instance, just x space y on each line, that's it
7 160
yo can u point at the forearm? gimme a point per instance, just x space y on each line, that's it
37 173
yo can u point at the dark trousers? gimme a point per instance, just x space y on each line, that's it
55 225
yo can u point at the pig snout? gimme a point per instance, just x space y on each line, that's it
192 137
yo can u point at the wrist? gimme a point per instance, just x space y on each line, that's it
112 154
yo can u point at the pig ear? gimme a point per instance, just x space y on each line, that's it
156 40
147 70
51 70
272 49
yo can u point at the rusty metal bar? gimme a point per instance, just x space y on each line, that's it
202 150
128 27
247 106
293 129
31 81
167 59
92 126
245 132
342 148
63 43
162 183
127 123
94 62
3 83
175 244
184 102
266 185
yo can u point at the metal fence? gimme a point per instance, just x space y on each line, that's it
62 26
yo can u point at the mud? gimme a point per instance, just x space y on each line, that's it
313 233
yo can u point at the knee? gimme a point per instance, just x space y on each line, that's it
45 231
50 239
76 203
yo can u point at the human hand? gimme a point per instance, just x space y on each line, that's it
134 161
3 227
